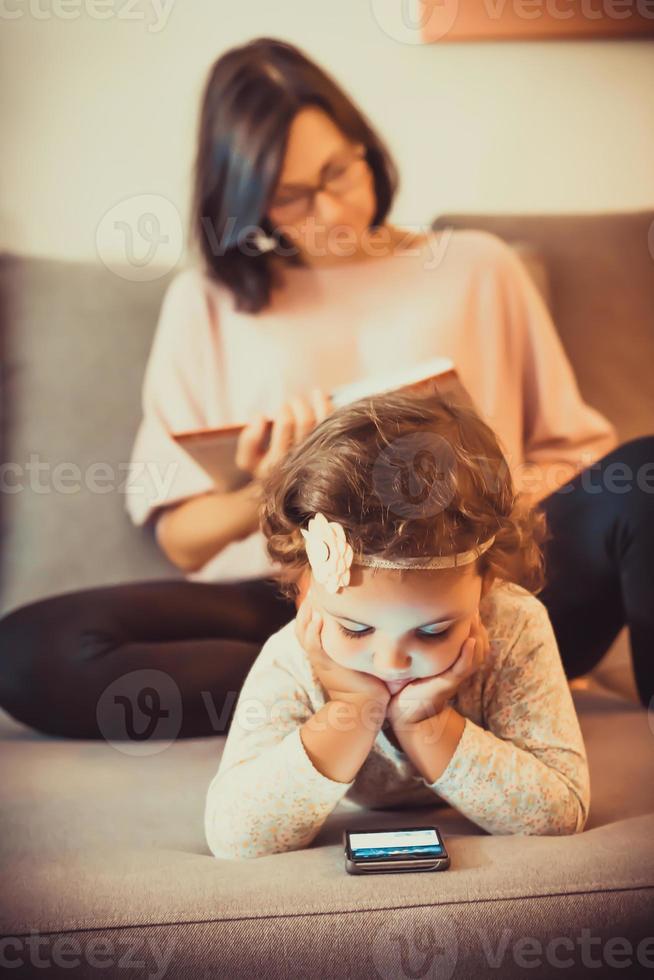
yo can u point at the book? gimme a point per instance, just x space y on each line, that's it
215 449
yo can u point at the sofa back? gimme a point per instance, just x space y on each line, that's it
75 339
600 281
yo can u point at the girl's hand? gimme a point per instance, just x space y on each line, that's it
428 696
341 683
295 420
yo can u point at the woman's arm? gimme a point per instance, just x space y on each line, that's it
197 519
284 766
528 773
192 532
194 519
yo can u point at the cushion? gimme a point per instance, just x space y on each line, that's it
76 338
100 842
599 270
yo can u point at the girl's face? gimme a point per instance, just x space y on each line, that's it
337 218
399 628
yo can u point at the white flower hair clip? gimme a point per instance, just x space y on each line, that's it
331 556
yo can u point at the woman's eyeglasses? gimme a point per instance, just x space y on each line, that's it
340 176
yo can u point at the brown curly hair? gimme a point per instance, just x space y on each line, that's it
406 477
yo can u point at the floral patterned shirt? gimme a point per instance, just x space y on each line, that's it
520 766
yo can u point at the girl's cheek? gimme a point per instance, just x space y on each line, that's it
461 634
333 643
449 650
348 653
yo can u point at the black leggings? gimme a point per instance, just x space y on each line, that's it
167 659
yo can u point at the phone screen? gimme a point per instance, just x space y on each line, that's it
389 843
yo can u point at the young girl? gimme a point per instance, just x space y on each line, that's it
421 669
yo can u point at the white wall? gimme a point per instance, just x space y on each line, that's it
97 111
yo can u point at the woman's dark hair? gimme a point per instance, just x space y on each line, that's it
404 476
250 98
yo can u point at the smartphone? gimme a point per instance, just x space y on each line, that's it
389 849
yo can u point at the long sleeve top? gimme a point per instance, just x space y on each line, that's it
520 766
466 296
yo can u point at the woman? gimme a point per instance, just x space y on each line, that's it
303 285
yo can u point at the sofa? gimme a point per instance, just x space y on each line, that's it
105 870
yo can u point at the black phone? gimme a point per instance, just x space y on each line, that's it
388 849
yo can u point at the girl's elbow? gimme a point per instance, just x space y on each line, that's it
571 820
228 851
570 807
565 818
225 846
232 849
579 819
229 836
220 841
579 807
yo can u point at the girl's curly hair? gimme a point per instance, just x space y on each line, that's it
406 477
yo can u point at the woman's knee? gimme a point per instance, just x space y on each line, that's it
632 463
628 477
43 645
21 635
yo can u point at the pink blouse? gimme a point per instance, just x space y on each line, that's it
464 295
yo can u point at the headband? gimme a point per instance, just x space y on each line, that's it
330 555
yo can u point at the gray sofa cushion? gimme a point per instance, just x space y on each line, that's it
600 272
100 843
75 338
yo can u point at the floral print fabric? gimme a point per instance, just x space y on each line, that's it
520 766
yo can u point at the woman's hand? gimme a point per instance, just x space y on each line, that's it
341 683
428 696
295 420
